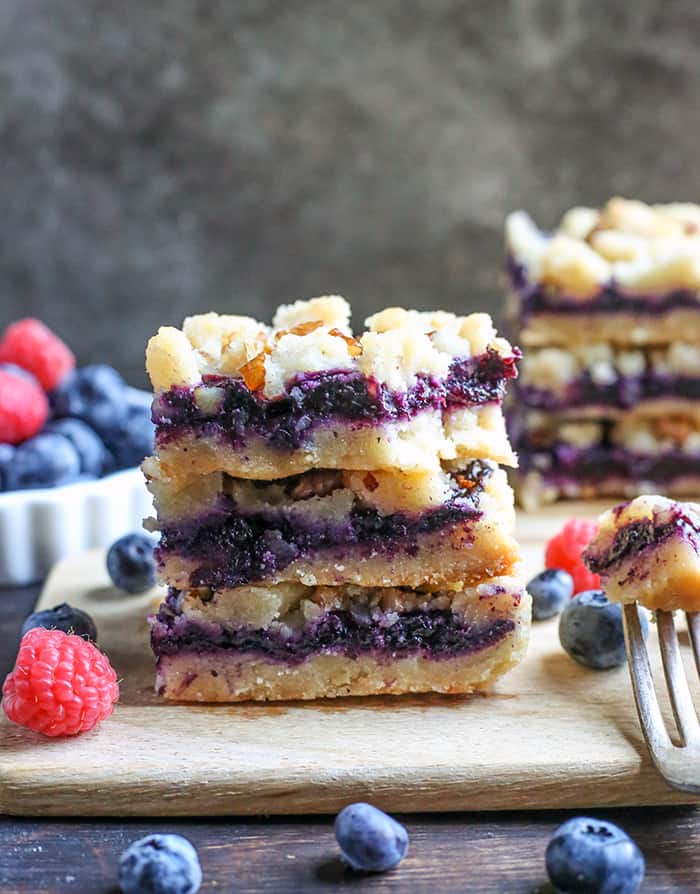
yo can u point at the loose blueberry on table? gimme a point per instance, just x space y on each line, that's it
550 590
160 864
370 840
59 424
131 563
590 856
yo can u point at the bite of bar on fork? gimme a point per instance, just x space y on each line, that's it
647 553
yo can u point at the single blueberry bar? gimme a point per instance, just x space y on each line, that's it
648 551
296 642
331 527
414 389
628 274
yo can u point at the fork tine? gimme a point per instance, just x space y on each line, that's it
648 709
693 619
676 680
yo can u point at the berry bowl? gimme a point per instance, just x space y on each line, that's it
40 526
71 442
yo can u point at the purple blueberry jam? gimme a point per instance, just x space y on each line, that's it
562 463
625 392
536 298
233 547
317 398
435 634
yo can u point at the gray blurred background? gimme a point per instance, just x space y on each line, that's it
165 157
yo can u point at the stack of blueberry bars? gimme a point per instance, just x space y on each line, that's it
607 308
333 520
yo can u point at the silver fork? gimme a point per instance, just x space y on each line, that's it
678 764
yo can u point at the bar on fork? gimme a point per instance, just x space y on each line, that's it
647 552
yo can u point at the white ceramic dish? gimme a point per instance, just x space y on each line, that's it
39 527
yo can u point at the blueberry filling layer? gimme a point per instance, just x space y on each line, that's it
232 546
562 463
312 399
436 634
535 298
632 539
625 392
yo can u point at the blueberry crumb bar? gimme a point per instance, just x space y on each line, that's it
332 516
607 308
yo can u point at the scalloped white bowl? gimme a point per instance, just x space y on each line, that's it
39 527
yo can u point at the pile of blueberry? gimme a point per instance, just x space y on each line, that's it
59 424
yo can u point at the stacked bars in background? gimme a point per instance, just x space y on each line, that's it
607 310
332 516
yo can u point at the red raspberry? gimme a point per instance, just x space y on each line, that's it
23 408
33 346
565 548
61 684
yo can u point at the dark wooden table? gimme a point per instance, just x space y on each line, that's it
487 852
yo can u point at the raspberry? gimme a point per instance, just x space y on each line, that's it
565 548
61 684
23 408
33 346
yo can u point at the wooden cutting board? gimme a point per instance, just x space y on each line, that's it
552 734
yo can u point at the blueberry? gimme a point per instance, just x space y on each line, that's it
160 864
18 371
590 856
46 460
96 394
63 617
131 564
369 839
551 589
88 444
590 630
7 454
131 442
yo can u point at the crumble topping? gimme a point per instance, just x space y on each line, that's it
314 336
638 248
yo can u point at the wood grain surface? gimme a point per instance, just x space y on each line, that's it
551 735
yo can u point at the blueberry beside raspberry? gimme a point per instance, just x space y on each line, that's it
96 394
550 590
591 631
63 617
592 856
369 839
47 460
131 563
132 440
7 455
160 864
